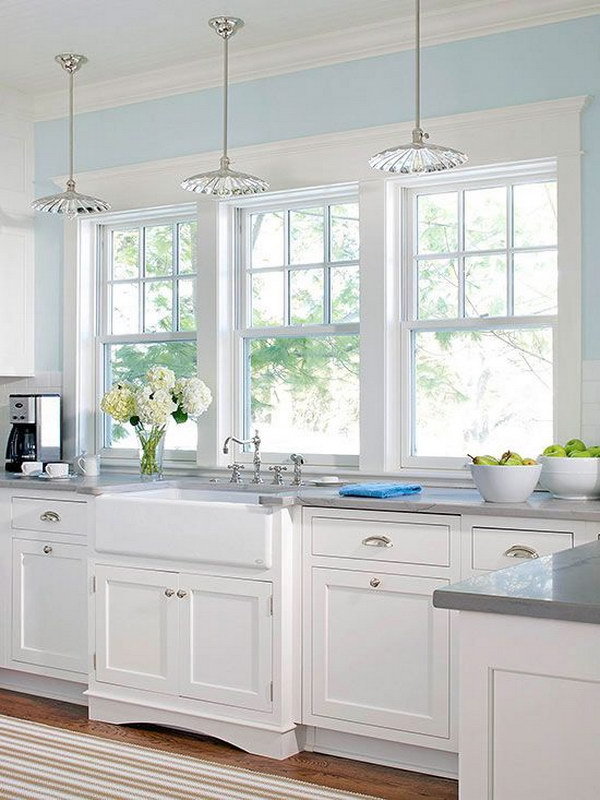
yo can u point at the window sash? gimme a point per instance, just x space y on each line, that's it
408 300
244 332
104 338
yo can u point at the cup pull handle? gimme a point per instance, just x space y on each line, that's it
377 541
521 551
50 516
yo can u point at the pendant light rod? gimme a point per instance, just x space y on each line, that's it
417 63
71 126
225 94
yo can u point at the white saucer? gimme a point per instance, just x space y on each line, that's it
325 484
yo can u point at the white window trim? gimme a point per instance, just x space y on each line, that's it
547 129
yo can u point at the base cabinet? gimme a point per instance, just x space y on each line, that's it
380 651
226 636
196 636
49 605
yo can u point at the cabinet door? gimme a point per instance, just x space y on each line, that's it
49 610
380 651
137 628
226 641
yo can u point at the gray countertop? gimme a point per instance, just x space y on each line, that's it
430 501
564 586
459 501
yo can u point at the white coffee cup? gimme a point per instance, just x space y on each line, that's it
57 470
89 465
31 467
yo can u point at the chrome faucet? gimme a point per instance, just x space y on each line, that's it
257 461
298 461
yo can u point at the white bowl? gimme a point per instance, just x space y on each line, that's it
504 484
571 478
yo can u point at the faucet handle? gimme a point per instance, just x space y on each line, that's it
277 476
236 472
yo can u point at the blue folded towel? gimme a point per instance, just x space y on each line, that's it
379 489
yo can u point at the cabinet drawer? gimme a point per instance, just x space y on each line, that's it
380 540
53 516
491 548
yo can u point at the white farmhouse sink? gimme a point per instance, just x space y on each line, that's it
184 524
197 495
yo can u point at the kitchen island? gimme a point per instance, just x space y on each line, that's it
529 678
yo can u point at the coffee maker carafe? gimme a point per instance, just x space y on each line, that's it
36 429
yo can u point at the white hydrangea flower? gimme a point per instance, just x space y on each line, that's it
193 396
154 407
161 378
119 402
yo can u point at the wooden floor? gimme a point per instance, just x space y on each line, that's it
330 771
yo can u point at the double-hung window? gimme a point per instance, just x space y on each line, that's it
480 317
297 331
146 312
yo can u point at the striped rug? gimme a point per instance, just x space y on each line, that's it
39 762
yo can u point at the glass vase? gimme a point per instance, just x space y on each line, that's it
152 447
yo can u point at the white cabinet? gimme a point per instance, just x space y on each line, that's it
197 636
137 628
226 641
380 652
49 604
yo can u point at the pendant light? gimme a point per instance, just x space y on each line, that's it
70 202
418 157
225 182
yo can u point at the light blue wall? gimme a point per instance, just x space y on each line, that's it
524 66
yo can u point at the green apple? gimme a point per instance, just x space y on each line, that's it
580 454
595 451
555 451
574 444
529 462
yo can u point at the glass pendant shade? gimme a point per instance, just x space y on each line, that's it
417 157
71 203
225 182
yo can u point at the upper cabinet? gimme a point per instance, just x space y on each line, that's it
16 236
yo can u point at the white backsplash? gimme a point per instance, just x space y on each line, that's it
41 383
590 400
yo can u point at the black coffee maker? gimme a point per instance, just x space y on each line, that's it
36 429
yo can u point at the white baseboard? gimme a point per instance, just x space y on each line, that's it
42 686
378 751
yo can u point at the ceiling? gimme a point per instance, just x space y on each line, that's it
129 37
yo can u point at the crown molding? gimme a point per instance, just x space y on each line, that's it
469 20
509 117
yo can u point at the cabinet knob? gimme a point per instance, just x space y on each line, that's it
521 551
50 516
378 541
181 593
169 592
374 582
47 549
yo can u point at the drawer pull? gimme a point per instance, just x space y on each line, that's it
374 582
50 516
47 549
521 551
169 592
377 541
181 594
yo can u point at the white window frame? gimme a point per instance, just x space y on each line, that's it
244 332
103 231
406 193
